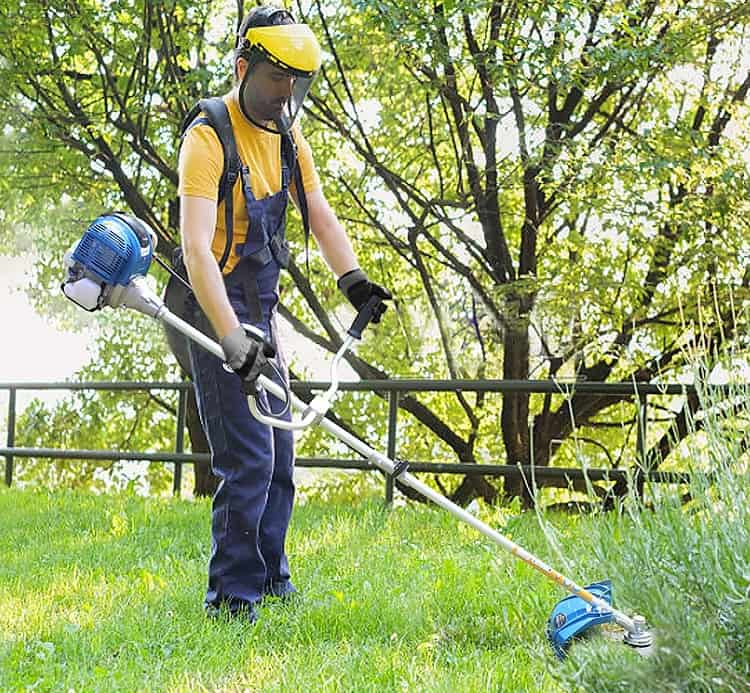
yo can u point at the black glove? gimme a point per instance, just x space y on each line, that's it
359 289
245 356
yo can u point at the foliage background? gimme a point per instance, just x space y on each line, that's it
552 190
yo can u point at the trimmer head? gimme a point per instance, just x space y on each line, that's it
572 616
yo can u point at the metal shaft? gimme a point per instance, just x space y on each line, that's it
387 465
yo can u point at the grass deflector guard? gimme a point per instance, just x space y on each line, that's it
573 616
112 272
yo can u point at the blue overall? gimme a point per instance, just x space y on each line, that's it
253 503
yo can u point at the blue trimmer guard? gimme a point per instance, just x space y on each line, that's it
573 615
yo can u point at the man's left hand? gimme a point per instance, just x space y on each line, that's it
356 286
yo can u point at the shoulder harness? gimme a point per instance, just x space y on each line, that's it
216 115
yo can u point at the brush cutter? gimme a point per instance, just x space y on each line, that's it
108 267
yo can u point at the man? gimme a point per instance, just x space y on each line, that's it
275 60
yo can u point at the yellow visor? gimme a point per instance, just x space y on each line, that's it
292 47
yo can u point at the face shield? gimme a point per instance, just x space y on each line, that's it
283 61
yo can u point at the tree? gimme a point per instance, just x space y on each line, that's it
548 183
563 173
94 94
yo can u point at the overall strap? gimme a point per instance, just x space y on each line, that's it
289 155
302 199
245 275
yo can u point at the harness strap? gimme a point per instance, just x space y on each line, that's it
245 276
288 143
304 213
218 114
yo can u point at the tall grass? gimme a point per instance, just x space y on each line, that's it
104 593
684 561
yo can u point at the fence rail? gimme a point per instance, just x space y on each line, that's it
392 388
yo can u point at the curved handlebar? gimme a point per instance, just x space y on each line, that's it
320 404
317 408
143 299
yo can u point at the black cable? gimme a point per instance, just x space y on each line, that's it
171 271
287 396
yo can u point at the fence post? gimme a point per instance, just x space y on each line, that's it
179 445
11 435
391 449
641 449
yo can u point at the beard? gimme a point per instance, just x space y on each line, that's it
258 109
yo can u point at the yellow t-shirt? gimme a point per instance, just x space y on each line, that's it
202 161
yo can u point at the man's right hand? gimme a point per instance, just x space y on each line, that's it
244 355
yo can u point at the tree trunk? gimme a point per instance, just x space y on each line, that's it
515 413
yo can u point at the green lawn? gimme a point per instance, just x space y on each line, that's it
104 593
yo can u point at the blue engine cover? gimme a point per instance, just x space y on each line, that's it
114 250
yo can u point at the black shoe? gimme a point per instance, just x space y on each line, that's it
280 589
230 612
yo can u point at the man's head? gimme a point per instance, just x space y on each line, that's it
275 63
